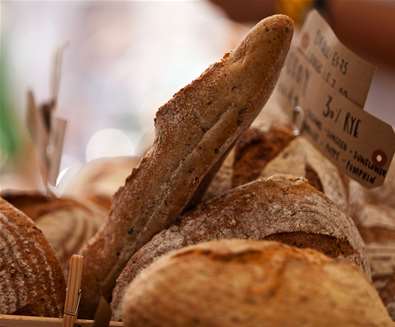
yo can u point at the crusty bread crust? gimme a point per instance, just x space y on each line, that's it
69 229
255 150
32 281
194 130
374 215
251 283
66 223
286 209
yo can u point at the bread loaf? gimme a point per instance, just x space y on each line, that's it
379 195
66 223
31 279
300 158
35 204
194 131
270 132
251 283
99 179
375 219
222 180
68 230
255 150
285 209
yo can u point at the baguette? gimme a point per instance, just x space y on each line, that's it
280 208
194 131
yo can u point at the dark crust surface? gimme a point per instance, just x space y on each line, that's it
255 149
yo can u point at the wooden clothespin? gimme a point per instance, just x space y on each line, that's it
73 290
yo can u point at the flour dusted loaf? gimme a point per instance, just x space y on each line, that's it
66 223
194 131
31 279
285 209
251 283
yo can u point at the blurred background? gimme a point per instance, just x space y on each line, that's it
122 61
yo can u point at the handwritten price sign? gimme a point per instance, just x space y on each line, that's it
330 84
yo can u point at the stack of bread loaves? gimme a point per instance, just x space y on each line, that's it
281 247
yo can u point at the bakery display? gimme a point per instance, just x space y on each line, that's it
32 281
281 208
194 132
233 216
251 283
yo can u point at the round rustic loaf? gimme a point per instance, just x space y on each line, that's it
281 208
379 195
35 204
374 215
31 279
99 179
69 229
270 132
66 223
275 152
251 283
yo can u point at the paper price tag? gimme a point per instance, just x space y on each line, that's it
55 148
330 84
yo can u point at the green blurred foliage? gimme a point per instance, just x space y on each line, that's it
10 139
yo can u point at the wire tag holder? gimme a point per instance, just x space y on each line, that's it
298 117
